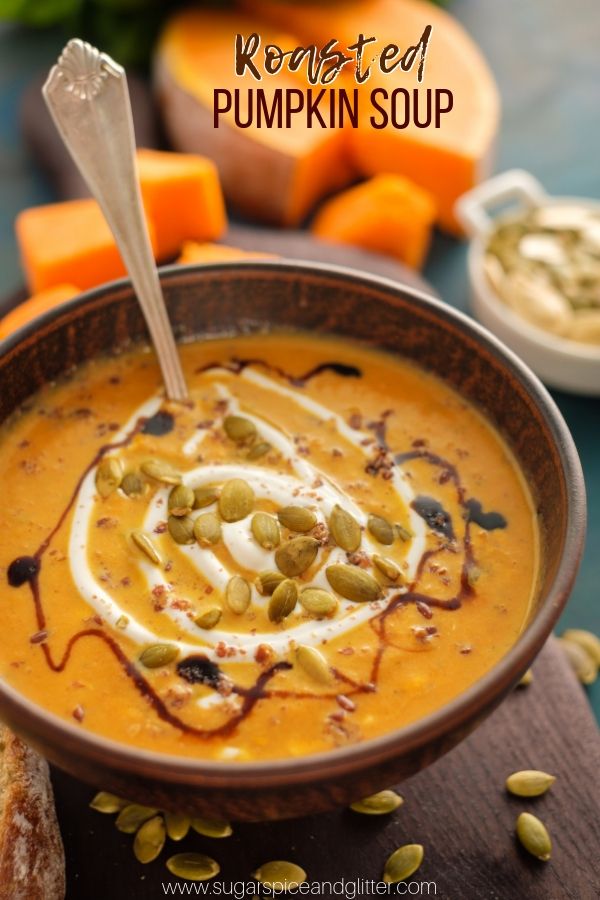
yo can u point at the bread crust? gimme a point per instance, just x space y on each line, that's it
32 860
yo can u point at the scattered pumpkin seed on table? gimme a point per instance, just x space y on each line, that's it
181 529
145 543
534 837
236 500
160 471
193 866
238 594
132 816
157 655
529 783
345 529
107 803
581 662
295 556
207 529
279 874
239 428
297 518
109 475
314 664
403 863
380 804
214 828
283 600
318 602
150 839
353 583
177 825
265 529
589 641
526 680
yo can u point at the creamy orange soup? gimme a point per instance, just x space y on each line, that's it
324 545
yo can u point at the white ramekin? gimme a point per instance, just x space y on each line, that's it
561 363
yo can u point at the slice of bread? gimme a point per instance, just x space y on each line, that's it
32 859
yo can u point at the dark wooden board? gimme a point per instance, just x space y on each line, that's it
457 809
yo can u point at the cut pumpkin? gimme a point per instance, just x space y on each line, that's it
183 198
447 160
193 252
70 243
272 174
36 305
387 214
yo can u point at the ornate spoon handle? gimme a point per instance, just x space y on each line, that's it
86 93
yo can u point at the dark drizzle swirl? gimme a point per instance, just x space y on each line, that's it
197 668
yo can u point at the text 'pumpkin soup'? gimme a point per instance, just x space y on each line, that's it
324 545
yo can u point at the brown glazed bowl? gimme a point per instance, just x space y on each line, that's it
252 296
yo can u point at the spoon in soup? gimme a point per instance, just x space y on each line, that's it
86 93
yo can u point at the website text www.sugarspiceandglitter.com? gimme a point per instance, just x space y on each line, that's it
352 889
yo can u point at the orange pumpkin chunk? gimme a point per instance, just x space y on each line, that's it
193 252
33 307
388 214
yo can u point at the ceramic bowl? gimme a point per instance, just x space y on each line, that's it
249 297
560 363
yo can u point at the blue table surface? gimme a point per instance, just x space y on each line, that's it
545 55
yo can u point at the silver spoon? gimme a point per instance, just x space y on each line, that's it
86 93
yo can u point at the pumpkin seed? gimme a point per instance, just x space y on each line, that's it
181 529
209 618
236 500
280 875
238 594
109 475
296 555
193 866
386 566
160 471
297 518
283 600
157 655
104 802
403 863
207 529
381 529
205 496
150 840
177 825
133 485
239 429
344 529
314 664
353 583
526 679
144 543
534 836
405 534
318 602
581 662
265 530
132 816
379 804
586 639
214 828
267 581
529 783
181 500
260 449
122 622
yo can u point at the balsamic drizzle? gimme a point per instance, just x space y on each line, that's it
198 668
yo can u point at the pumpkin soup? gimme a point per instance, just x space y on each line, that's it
324 545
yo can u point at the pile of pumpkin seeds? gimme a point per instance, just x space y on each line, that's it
545 265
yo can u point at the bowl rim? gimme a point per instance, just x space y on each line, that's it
57 732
